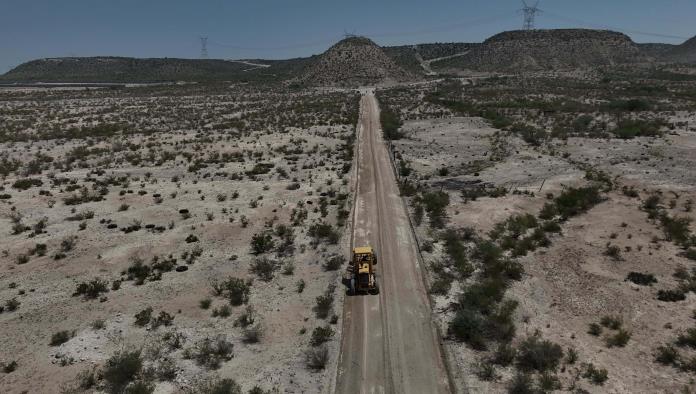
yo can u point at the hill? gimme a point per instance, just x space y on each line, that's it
354 61
125 69
684 53
548 50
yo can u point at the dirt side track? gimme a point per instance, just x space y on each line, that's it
389 343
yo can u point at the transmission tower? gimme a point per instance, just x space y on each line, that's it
204 47
529 14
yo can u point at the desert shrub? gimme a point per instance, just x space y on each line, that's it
548 382
140 387
504 354
236 290
98 324
483 316
521 384
435 204
262 243
317 357
224 311
253 333
334 262
611 322
539 355
260 169
211 352
486 372
667 355
143 317
619 339
163 319
205 303
530 134
300 285
573 201
9 367
320 335
26 183
12 304
138 271
247 318
60 338
391 123
441 285
628 129
91 289
323 232
324 303
84 381
631 105
687 338
641 279
594 329
264 268
571 356
613 251
690 254
676 229
121 369
596 376
218 386
456 251
671 295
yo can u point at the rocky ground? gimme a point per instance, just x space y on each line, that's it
594 300
195 234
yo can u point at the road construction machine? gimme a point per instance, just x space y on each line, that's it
362 276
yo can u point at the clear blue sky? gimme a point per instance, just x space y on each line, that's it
274 29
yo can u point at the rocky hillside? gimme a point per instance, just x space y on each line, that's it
548 50
684 53
125 69
355 61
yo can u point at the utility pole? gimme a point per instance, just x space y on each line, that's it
529 14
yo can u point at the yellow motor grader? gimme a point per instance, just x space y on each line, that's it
361 272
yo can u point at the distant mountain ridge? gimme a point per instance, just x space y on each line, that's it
126 69
550 49
684 53
359 60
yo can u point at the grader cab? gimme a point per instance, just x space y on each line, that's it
363 279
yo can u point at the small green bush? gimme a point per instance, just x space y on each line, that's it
641 278
320 335
620 339
317 357
121 369
596 376
91 289
60 338
539 355
667 355
143 317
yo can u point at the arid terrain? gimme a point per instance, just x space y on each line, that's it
185 226
555 219
200 229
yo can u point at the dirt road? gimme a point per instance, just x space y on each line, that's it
389 343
